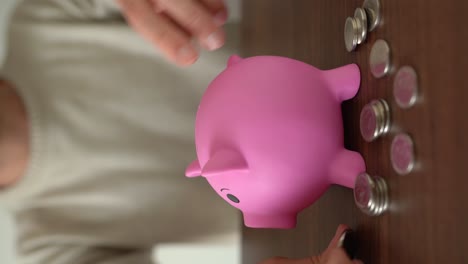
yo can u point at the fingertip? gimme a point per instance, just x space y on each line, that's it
342 228
357 261
214 41
340 231
335 242
221 17
187 55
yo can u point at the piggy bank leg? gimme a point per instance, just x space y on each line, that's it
344 81
346 167
270 221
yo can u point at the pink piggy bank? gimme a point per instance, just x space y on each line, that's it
269 136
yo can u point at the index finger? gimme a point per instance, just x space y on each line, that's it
338 256
196 19
334 243
218 8
160 30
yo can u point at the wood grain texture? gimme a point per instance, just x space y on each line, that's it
428 220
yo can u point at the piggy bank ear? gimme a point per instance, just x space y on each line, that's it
193 170
223 162
233 60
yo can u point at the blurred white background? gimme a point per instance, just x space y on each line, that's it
6 224
5 8
226 250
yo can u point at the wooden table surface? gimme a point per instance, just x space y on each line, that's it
428 220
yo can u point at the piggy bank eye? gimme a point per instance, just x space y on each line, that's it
233 198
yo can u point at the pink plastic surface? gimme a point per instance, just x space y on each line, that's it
269 136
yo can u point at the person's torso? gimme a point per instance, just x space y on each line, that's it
112 126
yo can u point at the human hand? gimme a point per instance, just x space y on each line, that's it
14 136
332 255
172 24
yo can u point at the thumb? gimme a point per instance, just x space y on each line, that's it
338 256
334 243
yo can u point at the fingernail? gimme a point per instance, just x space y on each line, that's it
187 55
220 18
215 40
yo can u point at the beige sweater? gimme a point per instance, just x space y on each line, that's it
112 131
